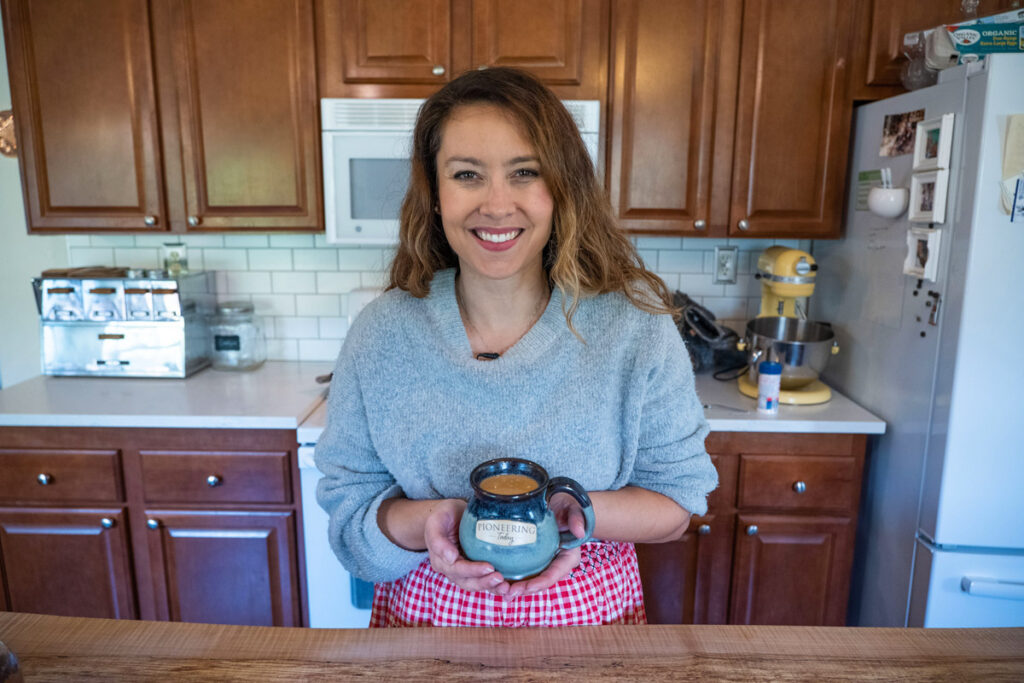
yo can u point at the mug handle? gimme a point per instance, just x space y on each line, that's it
566 539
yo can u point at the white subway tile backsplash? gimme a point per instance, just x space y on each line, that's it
282 349
365 259
297 327
274 304
245 240
297 282
137 257
270 259
658 242
198 241
333 328
681 261
318 304
224 259
336 283
315 259
289 241
294 283
90 256
112 240
319 349
248 282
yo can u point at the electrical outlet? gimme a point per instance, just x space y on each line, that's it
725 265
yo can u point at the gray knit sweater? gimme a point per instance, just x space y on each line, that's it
411 412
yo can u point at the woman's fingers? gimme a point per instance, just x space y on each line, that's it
565 561
441 533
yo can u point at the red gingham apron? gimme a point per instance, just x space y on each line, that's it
604 589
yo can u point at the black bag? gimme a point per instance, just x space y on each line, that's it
712 346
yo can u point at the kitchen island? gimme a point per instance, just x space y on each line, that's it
67 648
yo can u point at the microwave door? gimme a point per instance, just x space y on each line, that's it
366 175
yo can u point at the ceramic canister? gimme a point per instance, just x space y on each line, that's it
517 533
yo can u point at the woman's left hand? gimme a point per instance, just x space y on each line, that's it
570 517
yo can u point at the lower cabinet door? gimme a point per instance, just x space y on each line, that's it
792 570
687 581
224 567
66 562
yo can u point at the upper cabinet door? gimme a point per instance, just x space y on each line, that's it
248 114
560 41
878 38
369 46
81 75
793 119
673 101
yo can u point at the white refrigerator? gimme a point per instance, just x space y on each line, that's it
941 534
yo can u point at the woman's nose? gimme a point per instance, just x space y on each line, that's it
498 201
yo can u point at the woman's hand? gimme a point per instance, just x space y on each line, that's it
441 533
569 516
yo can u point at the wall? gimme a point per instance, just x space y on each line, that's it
298 282
22 257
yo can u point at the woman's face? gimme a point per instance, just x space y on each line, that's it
495 206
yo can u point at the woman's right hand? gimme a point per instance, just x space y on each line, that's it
441 534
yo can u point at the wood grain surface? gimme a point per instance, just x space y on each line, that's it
66 648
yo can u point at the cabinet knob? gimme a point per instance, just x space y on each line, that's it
752 530
106 522
438 70
44 479
704 529
214 480
149 220
194 221
800 486
744 224
700 225
152 524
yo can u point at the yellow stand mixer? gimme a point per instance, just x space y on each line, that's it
778 333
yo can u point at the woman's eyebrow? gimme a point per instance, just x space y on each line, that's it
477 162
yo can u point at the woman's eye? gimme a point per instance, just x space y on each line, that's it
465 175
526 173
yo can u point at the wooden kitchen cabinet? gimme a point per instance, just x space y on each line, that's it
167 524
877 53
410 48
729 118
66 561
165 116
776 546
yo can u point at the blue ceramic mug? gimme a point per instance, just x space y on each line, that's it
508 523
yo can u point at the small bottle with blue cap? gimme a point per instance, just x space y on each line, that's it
769 383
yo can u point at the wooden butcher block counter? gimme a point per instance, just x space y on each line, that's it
71 648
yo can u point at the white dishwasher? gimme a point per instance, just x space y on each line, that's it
336 598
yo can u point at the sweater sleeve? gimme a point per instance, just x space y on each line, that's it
671 458
356 482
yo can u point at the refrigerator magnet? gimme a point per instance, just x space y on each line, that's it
928 197
933 141
922 259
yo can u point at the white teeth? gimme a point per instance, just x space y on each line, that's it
499 237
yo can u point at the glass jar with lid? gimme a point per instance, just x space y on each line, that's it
236 337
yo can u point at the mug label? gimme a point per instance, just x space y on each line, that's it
506 532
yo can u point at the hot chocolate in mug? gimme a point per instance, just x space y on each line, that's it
508 523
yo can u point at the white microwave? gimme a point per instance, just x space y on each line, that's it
366 148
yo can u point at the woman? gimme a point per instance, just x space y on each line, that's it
518 322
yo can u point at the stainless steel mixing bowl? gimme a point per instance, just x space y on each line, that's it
803 347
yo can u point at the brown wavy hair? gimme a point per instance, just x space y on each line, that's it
587 253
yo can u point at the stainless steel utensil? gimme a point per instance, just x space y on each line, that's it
803 347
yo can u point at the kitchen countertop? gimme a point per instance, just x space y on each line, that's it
730 411
69 648
278 395
284 395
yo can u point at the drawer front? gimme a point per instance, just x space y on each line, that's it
797 482
216 477
59 475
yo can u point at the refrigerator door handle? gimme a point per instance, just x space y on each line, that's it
992 588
